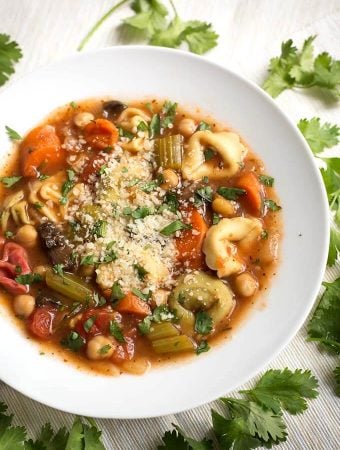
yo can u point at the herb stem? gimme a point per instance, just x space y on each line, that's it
99 23
173 7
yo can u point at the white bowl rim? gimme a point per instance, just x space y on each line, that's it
324 209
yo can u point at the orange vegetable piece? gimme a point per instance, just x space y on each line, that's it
41 151
189 244
100 134
254 192
133 305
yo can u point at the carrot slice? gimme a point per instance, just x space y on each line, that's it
189 244
41 151
133 305
100 134
254 192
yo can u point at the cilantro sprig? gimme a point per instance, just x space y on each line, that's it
320 137
299 69
257 420
82 435
10 54
150 20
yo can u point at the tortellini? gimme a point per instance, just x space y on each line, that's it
15 206
199 291
45 196
218 247
134 146
131 117
225 143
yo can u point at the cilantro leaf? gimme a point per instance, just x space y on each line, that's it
141 272
324 326
67 186
176 440
177 225
116 331
260 423
116 292
92 438
334 245
9 181
199 36
319 136
295 68
202 347
284 388
12 438
10 53
12 134
149 16
233 433
75 439
337 380
73 341
230 193
28 278
47 440
266 180
203 323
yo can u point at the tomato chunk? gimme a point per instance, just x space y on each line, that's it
40 322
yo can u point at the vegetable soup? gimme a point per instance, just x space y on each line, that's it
134 232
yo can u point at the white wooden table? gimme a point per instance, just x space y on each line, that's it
251 32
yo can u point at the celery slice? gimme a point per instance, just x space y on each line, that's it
169 151
69 285
173 344
162 330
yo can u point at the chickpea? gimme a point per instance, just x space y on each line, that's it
223 206
41 270
187 127
23 305
27 236
245 284
82 119
100 347
171 179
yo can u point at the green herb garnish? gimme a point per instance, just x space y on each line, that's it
266 180
116 331
231 193
9 181
29 278
177 225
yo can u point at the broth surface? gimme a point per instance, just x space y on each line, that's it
115 235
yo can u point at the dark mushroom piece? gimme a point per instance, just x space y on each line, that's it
47 298
55 244
113 108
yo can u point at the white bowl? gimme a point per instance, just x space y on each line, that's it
135 72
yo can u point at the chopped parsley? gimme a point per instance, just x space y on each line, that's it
116 292
203 126
138 213
202 347
171 201
116 331
209 154
203 323
168 114
98 299
8 234
88 260
270 204
99 228
88 324
12 134
141 272
142 126
230 193
110 256
38 205
140 294
125 133
216 218
203 194
58 269
67 186
43 177
155 126
264 234
74 105
29 278
10 181
266 180
73 341
102 170
105 349
177 225
150 186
